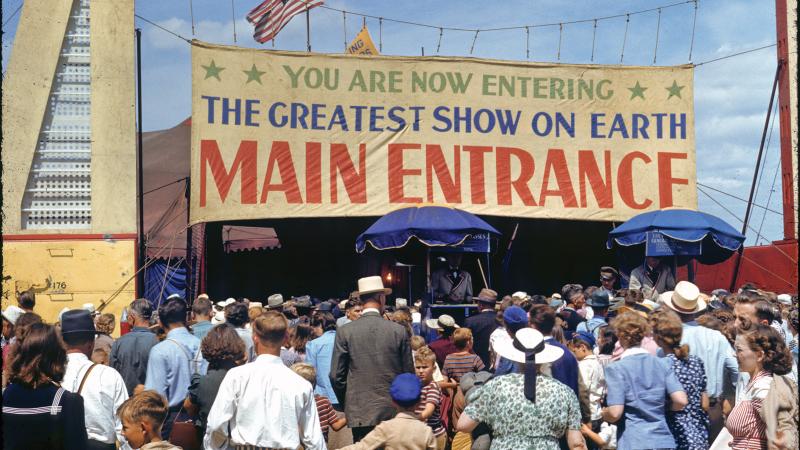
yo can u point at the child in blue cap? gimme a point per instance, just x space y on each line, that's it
405 431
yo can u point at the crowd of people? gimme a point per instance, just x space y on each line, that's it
656 365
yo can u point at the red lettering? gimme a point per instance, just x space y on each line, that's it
588 171
435 163
397 173
313 172
246 157
625 180
556 163
477 178
520 185
665 180
355 183
281 155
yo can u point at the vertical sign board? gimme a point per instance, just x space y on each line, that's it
284 134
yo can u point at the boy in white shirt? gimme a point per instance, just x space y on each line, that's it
592 375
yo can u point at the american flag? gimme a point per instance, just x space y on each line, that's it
271 16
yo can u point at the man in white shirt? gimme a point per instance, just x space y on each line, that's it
102 388
264 404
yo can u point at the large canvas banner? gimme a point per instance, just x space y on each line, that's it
284 134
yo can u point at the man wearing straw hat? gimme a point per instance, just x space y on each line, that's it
368 354
711 346
483 324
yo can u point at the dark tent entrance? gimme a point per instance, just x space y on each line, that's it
317 257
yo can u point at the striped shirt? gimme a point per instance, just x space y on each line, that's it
432 394
744 422
327 416
457 364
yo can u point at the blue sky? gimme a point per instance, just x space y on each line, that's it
731 96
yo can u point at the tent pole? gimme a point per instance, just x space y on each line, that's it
142 250
189 256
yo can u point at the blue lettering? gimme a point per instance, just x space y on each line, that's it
561 122
596 123
337 118
272 113
490 126
437 115
535 124
618 126
236 110
675 124
507 124
250 111
374 117
299 117
399 120
316 116
211 101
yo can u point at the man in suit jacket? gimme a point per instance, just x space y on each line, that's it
483 324
368 354
451 284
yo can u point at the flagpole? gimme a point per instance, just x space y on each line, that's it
308 29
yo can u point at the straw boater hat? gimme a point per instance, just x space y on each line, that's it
487 296
371 285
685 299
275 301
400 303
444 321
255 305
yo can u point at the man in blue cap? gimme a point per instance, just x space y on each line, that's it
405 430
514 319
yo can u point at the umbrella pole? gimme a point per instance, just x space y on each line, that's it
690 269
483 275
675 266
428 271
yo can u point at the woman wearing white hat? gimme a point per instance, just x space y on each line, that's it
527 409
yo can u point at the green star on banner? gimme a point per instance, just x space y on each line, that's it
637 91
253 74
674 90
212 71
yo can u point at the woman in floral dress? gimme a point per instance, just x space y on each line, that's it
690 425
526 410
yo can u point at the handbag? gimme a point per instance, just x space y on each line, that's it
184 434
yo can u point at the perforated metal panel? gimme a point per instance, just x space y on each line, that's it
58 193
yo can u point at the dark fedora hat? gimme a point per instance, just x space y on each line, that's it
77 321
599 299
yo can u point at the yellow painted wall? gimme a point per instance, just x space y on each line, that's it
69 273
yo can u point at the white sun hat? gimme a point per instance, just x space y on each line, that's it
530 339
